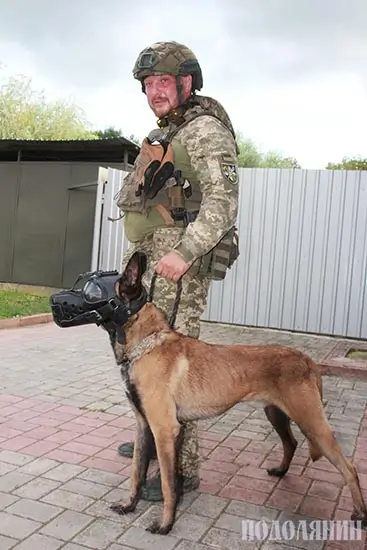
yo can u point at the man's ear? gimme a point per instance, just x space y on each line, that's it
135 268
186 83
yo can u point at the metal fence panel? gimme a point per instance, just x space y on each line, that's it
303 244
113 242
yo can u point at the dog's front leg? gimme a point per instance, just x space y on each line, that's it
142 452
168 441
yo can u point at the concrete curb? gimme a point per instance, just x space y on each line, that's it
27 320
337 362
344 371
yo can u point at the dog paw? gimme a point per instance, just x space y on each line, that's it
122 509
356 517
277 471
158 529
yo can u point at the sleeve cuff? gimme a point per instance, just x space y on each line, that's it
185 253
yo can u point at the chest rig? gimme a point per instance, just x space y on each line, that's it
156 181
158 172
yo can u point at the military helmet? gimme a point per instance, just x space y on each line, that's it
168 58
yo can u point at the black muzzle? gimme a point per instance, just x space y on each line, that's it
93 300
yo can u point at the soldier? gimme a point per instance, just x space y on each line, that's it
180 204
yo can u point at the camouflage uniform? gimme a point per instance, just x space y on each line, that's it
209 145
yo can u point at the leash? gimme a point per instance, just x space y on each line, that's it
172 319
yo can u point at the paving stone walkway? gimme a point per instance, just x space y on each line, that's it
62 415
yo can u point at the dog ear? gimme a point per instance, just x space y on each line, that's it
136 268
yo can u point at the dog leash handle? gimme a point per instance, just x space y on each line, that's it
176 303
152 287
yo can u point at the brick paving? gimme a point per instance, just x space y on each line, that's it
62 415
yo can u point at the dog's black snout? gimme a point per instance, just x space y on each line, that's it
66 306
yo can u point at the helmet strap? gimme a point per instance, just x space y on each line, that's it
179 89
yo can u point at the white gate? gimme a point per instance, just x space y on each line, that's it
303 251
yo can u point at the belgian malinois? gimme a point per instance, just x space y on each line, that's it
171 378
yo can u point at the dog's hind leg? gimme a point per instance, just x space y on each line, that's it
144 444
322 436
306 409
281 424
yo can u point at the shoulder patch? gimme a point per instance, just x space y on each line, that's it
229 169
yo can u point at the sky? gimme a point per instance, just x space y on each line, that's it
292 74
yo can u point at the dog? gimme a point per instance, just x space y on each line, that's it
171 378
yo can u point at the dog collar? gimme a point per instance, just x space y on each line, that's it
145 345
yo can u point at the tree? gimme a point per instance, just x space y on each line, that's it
273 159
251 157
111 133
26 114
354 163
136 140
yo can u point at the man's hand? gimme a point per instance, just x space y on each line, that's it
172 266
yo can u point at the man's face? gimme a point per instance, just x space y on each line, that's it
162 93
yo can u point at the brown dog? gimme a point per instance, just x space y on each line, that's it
171 378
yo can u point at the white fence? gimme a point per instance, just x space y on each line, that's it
303 251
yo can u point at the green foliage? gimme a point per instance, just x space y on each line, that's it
111 133
273 159
133 138
356 163
251 157
26 114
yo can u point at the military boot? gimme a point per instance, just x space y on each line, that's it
127 450
189 478
152 489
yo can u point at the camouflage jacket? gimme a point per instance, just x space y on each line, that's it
209 140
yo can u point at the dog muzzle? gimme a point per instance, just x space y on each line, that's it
93 300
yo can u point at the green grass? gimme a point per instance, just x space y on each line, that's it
357 354
14 303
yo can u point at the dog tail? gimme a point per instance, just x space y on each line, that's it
315 374
315 452
319 385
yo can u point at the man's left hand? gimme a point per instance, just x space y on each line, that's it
172 266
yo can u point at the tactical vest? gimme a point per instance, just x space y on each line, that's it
163 185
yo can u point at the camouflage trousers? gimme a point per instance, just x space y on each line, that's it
192 304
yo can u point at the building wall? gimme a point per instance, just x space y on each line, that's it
46 221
